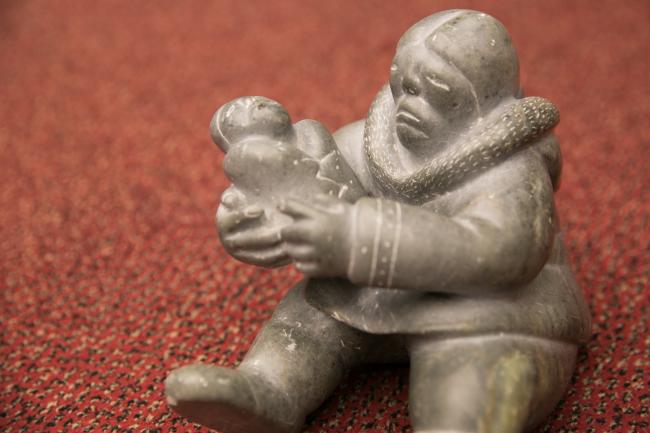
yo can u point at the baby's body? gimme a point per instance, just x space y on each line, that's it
269 159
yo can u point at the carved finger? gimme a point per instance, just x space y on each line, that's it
272 257
253 239
301 253
252 212
297 233
308 268
297 209
328 203
229 220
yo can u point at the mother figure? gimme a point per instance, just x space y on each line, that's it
453 260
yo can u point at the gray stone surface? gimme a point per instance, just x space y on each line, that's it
426 232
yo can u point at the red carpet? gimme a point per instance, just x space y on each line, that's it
111 271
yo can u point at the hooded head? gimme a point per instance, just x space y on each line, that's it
450 69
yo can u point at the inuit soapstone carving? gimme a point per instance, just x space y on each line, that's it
442 250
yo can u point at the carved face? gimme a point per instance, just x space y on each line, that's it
433 100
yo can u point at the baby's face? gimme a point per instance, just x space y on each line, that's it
434 101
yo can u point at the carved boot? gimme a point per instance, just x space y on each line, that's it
295 363
232 401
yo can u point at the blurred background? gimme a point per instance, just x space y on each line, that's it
111 272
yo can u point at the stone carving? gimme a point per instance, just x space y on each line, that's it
427 233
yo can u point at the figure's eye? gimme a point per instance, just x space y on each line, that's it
410 89
411 85
438 82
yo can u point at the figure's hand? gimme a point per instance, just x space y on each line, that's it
318 238
244 235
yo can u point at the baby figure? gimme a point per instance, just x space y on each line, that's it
269 159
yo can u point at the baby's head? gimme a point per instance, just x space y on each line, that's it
250 116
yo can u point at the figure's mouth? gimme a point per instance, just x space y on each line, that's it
406 117
409 123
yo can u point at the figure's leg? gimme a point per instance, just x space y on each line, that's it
486 384
295 363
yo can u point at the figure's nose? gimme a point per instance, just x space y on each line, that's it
411 86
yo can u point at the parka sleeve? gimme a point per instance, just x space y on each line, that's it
501 238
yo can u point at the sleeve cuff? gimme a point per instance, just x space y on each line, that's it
376 230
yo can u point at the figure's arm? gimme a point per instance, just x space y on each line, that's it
500 239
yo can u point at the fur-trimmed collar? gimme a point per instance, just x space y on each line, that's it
495 138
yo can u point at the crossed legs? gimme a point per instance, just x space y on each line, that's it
479 384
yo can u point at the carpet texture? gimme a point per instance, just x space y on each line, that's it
111 271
